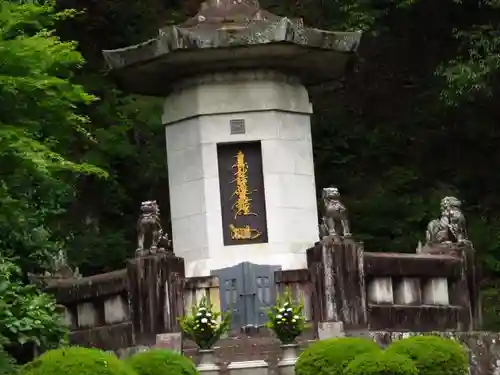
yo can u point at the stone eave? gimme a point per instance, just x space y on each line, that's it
159 76
172 39
155 66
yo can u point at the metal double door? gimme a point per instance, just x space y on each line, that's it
247 290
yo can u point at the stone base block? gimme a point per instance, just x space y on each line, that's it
259 367
328 330
286 370
286 366
208 369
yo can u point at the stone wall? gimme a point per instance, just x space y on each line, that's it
124 308
392 291
96 309
345 290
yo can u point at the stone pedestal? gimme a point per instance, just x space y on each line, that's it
206 112
286 365
207 364
258 367
155 296
338 280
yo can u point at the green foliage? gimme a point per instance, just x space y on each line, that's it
433 355
75 360
381 363
162 362
40 114
286 318
7 364
202 325
332 356
26 314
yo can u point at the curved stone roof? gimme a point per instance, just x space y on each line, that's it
228 35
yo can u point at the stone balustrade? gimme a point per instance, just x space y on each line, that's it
93 301
343 284
411 279
197 288
416 291
123 308
298 283
410 291
392 291
96 308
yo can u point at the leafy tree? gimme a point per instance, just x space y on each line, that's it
38 120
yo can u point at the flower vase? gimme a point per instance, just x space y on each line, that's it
286 365
207 364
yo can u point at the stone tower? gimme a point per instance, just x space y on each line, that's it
235 80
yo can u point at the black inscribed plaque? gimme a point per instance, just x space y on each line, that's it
242 193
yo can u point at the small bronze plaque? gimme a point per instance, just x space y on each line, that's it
237 126
243 200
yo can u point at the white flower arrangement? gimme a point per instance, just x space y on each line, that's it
202 325
286 319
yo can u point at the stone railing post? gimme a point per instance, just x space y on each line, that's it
155 295
343 287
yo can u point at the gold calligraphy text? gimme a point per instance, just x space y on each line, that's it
244 233
242 206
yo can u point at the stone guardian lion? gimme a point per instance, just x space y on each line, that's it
335 213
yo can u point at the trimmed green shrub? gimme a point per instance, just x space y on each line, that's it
381 363
331 357
76 361
162 362
433 355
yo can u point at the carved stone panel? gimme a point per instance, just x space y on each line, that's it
243 203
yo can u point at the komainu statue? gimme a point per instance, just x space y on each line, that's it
334 213
149 225
450 227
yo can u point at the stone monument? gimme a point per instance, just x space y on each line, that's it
237 114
